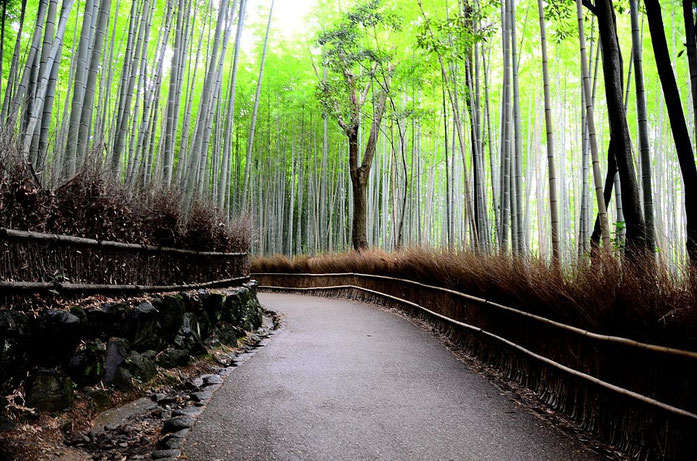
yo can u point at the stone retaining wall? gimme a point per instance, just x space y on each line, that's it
117 342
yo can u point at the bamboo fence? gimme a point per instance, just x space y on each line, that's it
636 395
34 263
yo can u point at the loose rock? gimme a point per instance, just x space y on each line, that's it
178 423
160 454
187 411
212 379
202 396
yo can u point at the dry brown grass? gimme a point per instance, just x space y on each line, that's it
93 205
642 301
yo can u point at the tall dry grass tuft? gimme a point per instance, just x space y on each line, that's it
93 204
24 204
240 232
642 300
165 216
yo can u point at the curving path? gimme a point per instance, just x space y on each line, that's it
347 380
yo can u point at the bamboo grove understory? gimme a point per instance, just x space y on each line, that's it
523 127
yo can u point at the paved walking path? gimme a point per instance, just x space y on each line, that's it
347 380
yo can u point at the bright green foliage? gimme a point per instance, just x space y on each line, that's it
300 195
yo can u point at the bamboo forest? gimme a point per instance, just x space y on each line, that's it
517 127
348 229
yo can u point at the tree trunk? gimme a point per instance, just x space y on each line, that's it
358 226
231 111
619 130
19 97
643 126
517 164
45 52
48 102
607 196
71 148
678 126
129 72
688 16
590 120
174 95
360 174
14 64
2 41
38 102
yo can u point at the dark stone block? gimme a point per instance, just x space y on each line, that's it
86 366
187 411
56 335
164 454
145 327
189 337
195 383
177 423
141 366
171 357
200 324
6 424
192 302
100 398
234 303
201 396
79 312
214 305
170 442
228 334
49 390
106 320
251 313
212 379
116 353
14 340
171 314
123 379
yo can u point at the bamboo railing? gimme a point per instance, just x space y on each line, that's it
68 240
636 395
485 302
40 263
13 288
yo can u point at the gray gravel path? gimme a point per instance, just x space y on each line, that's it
346 380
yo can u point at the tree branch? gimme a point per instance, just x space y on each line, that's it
374 130
364 95
592 8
